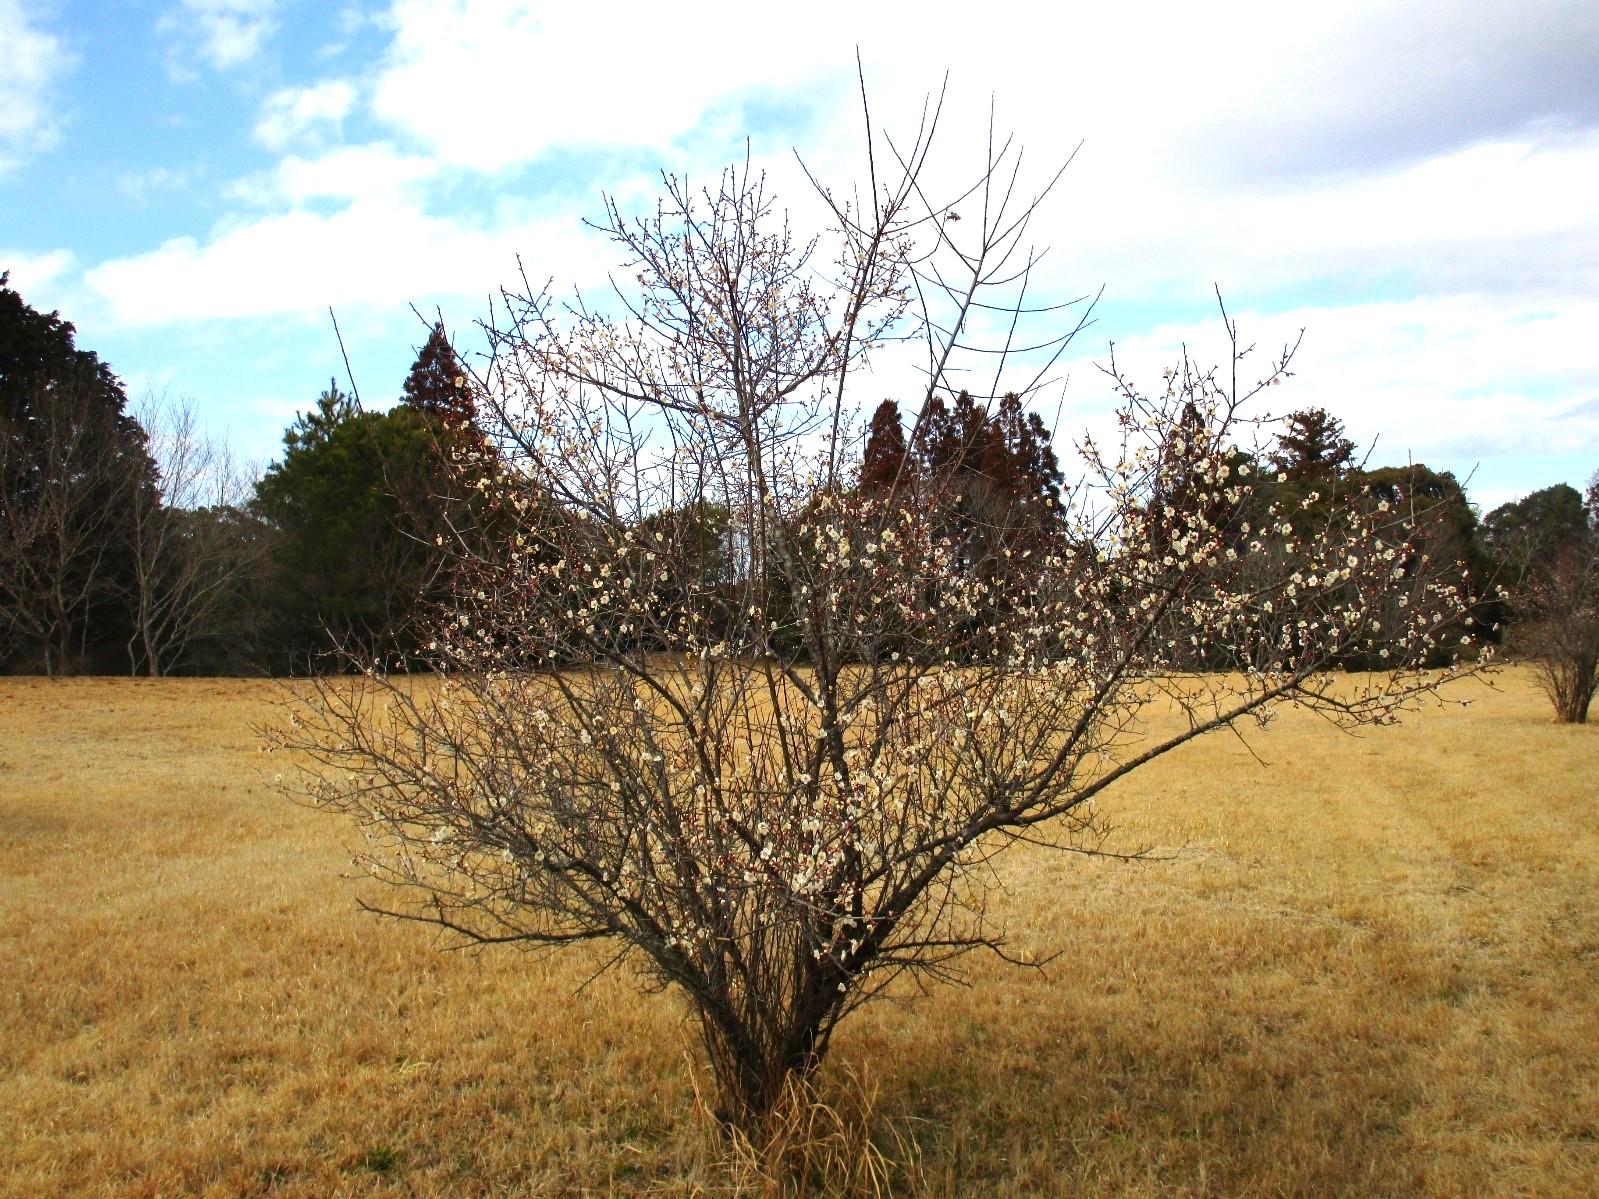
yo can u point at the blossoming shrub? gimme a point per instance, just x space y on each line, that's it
772 769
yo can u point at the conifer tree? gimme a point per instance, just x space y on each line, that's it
437 385
73 462
1312 447
884 465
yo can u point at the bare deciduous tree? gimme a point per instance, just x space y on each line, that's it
71 464
776 785
1561 635
188 557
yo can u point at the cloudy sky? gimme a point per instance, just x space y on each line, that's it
1416 185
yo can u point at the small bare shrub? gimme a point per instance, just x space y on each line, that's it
1562 638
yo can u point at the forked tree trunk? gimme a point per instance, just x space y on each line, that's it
755 1072
1570 684
1578 695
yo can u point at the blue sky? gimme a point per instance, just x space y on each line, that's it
195 182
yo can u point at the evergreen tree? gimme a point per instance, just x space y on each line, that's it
1312 447
1526 535
72 465
438 390
884 466
351 557
1034 472
988 480
1444 529
995 475
438 387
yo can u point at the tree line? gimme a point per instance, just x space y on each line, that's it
130 542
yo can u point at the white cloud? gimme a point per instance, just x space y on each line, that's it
348 174
1173 101
140 185
297 113
33 61
1239 89
33 273
229 32
500 81
379 251
1365 85
492 82
1513 216
1301 157
1454 382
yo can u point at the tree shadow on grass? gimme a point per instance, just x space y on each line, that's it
1121 1093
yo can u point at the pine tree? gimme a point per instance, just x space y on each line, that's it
354 505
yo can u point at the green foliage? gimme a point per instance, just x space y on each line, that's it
38 348
353 551
72 464
1446 531
1546 553
381 1159
1525 535
1312 468
1435 497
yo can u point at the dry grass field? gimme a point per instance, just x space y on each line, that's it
1368 966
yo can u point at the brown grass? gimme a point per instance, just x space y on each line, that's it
1370 967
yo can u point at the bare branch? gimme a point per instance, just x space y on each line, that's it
767 728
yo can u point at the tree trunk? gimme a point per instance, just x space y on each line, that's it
758 1071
